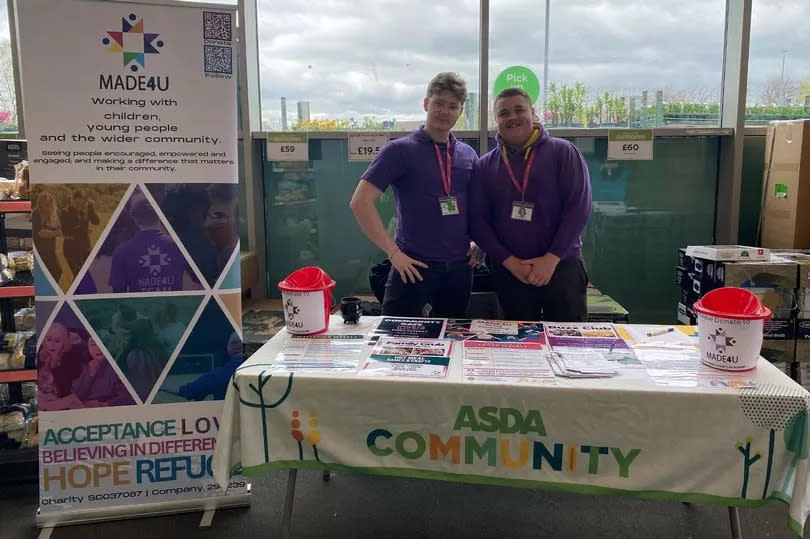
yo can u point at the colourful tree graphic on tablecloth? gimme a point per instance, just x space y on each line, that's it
774 408
313 436
749 460
796 442
258 389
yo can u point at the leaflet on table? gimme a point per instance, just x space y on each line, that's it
419 358
588 344
320 352
506 362
422 328
646 333
494 330
581 363
679 365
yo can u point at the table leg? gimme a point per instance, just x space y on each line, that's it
734 518
288 504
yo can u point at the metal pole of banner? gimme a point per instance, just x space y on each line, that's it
734 518
483 89
288 504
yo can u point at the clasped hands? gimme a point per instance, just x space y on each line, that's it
535 271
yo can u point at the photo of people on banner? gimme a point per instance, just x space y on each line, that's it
73 371
67 220
205 218
138 253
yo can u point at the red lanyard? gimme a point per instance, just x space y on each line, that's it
447 175
512 177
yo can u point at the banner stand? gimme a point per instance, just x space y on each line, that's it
135 199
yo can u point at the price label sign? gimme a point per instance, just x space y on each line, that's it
287 147
365 147
630 145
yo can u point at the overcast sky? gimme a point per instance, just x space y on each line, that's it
352 58
356 58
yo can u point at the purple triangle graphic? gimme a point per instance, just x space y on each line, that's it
147 43
125 26
43 312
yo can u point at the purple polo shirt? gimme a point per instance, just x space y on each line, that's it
559 188
410 167
149 262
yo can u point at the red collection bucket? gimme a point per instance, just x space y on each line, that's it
731 324
307 298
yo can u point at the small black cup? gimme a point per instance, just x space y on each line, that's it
350 310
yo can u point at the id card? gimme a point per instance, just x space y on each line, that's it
449 205
522 211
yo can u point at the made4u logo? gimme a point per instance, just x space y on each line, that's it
133 42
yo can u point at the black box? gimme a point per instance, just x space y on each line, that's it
781 330
687 315
681 274
684 260
802 330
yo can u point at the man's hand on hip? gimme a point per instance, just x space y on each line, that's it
542 268
406 266
517 268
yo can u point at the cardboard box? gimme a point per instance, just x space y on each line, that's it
803 351
684 260
686 315
728 252
785 219
681 276
689 296
780 330
775 350
774 282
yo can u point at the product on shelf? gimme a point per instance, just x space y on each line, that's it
21 180
24 319
16 424
21 260
13 354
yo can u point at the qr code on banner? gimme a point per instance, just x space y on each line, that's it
217 26
218 59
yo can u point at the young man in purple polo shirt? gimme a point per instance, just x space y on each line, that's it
429 172
531 200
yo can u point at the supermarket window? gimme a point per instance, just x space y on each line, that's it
8 96
609 60
365 64
778 63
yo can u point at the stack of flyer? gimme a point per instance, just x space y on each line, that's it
409 357
320 353
590 350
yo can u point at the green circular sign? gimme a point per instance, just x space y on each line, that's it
518 77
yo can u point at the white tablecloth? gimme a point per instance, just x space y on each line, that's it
623 435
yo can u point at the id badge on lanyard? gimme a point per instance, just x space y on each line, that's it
521 210
448 203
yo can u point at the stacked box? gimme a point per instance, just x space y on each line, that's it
786 191
773 281
802 261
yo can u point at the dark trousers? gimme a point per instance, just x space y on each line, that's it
561 300
445 285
